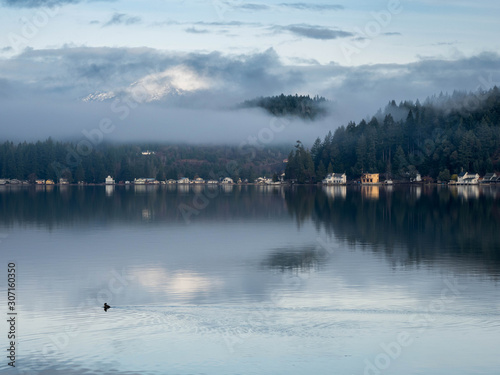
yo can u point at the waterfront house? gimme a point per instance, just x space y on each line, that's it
63 181
212 182
418 178
199 180
139 181
472 179
489 178
335 179
110 180
40 182
465 178
461 176
183 180
227 180
49 182
370 178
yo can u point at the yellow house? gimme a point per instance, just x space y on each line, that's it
370 178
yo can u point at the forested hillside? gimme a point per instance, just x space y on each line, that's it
50 160
293 105
442 136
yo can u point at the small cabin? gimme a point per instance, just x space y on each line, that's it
110 180
370 178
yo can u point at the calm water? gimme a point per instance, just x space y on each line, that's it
253 280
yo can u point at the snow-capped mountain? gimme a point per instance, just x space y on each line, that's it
156 86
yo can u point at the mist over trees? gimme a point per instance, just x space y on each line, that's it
302 106
444 135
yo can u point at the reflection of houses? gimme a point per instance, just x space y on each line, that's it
109 188
335 191
109 180
371 192
370 178
335 179
227 180
465 178
468 192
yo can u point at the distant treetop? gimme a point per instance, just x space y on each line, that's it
302 106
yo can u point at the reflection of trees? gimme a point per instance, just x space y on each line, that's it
53 206
429 222
297 260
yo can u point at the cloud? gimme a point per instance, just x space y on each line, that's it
314 32
312 6
122 19
253 7
194 30
189 95
41 3
391 33
227 23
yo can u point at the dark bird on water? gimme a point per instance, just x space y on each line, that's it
106 306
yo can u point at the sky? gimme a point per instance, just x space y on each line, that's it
173 70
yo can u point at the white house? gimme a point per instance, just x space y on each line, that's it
489 178
212 182
227 180
109 180
335 179
264 181
465 178
418 178
183 180
199 180
472 179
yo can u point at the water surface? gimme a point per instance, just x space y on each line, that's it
254 280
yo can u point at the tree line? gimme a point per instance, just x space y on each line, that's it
54 159
443 136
